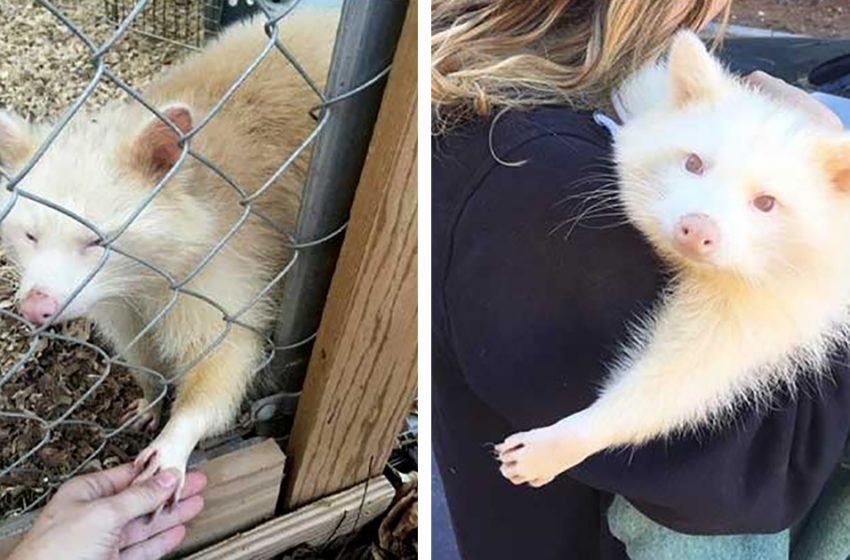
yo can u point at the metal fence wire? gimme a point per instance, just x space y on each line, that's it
186 22
27 433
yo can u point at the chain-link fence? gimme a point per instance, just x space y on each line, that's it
62 386
186 22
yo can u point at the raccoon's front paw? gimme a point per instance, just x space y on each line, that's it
536 457
163 454
144 417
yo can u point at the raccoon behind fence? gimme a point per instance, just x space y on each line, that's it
185 291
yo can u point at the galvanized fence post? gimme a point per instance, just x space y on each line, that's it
366 41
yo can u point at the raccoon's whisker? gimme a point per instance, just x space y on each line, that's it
610 181
602 191
610 194
584 214
595 208
605 167
603 213
613 225
590 196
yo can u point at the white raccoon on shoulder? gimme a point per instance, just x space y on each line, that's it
747 201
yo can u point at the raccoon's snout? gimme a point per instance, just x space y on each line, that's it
37 307
696 236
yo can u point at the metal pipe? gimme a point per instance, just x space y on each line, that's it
365 44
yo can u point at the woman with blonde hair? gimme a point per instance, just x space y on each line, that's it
529 306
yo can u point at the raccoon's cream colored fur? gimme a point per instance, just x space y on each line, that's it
769 303
104 165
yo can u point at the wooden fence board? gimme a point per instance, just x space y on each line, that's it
362 375
313 524
242 491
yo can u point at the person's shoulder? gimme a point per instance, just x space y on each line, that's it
520 180
556 140
505 131
557 125
538 168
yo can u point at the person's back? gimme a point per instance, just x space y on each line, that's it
502 266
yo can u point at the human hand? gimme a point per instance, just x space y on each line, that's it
796 97
101 516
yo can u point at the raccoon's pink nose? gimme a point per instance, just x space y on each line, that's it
696 236
37 307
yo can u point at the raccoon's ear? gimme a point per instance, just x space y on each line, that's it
16 138
157 148
695 74
835 158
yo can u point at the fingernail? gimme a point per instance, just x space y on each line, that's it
166 479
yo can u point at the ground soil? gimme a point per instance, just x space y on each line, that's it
817 18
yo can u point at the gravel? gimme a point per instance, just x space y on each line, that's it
817 18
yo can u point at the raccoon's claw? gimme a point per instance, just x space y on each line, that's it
145 417
146 460
536 457
155 458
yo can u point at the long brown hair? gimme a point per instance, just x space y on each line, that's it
524 53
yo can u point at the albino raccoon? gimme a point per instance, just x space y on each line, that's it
748 202
106 163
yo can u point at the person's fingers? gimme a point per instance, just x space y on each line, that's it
139 499
98 484
795 97
156 547
195 483
779 88
761 78
143 528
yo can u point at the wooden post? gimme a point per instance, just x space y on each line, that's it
361 381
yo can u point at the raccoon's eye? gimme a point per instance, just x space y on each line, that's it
764 203
694 164
96 242
31 238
